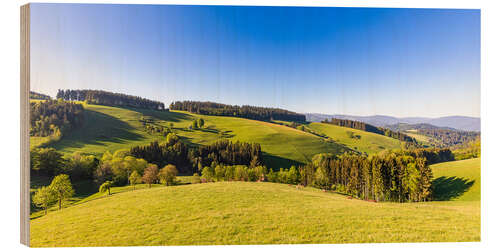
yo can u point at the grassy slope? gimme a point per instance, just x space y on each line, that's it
105 128
369 142
458 180
260 213
112 128
421 138
35 141
87 191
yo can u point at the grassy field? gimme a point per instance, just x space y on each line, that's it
261 213
367 142
421 138
458 180
87 190
113 128
36 141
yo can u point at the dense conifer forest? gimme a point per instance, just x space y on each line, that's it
245 111
53 117
101 97
192 160
38 96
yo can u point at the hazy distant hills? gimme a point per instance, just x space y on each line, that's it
456 122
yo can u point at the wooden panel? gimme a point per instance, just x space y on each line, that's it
25 158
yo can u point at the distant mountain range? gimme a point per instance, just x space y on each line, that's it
457 122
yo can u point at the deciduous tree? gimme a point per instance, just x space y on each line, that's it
62 188
44 197
135 178
150 174
167 174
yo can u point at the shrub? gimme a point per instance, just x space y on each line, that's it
196 179
207 174
106 186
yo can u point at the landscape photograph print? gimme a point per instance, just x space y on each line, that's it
165 125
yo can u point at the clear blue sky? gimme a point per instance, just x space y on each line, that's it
357 61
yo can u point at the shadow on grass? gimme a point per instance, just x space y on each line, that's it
276 162
447 188
83 189
164 115
98 129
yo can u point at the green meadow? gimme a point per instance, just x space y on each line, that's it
245 212
262 213
366 142
419 137
36 141
114 128
458 180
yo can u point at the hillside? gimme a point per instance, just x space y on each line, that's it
113 128
425 140
255 213
436 136
456 122
458 180
367 142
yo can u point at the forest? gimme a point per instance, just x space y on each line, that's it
38 96
370 128
54 117
442 137
100 97
391 177
400 176
245 111
192 160
447 137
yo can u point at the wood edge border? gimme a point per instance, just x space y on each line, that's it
25 144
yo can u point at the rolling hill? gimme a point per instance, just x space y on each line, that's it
263 213
457 122
114 128
367 142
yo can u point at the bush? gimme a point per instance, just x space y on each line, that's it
241 173
106 186
196 179
207 174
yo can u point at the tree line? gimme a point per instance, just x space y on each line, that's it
390 177
471 149
118 166
101 97
227 153
192 160
54 117
50 162
442 137
245 111
398 175
448 137
38 96
401 176
173 151
370 128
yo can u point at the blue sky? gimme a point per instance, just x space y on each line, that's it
357 61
